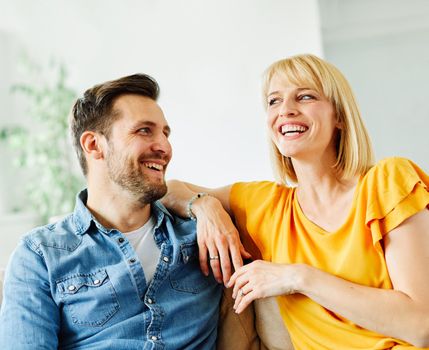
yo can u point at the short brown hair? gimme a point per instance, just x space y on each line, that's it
354 151
93 111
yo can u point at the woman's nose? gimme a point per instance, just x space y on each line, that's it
288 108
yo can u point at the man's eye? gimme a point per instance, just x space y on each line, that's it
144 131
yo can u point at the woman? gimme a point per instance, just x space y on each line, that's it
346 248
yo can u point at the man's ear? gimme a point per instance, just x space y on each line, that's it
93 144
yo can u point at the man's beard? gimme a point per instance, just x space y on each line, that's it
129 175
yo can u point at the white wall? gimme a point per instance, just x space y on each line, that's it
382 46
208 57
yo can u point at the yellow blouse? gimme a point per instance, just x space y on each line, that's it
390 192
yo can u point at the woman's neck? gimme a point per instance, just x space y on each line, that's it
323 197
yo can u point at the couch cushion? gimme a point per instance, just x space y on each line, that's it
236 331
270 326
259 326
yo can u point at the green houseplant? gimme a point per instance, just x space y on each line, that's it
42 146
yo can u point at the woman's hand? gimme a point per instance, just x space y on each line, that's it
262 279
218 239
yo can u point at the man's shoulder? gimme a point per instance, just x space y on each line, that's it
63 234
182 226
180 230
176 221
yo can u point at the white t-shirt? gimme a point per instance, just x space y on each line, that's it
144 244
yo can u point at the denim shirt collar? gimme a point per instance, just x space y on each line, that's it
83 218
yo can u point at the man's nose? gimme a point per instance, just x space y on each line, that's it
161 144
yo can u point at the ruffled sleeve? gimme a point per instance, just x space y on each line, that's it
396 190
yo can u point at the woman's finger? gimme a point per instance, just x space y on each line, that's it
245 301
236 258
239 283
225 262
214 261
202 249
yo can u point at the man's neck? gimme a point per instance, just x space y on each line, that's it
117 210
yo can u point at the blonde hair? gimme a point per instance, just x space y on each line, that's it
354 151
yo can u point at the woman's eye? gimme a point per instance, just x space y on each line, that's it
306 97
273 101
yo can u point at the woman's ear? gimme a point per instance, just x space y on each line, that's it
92 144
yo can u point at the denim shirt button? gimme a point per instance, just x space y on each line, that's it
121 240
150 301
132 261
71 288
97 282
154 337
166 259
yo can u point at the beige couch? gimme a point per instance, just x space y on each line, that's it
259 327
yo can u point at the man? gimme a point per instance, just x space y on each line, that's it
120 272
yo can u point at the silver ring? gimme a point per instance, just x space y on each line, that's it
216 257
242 293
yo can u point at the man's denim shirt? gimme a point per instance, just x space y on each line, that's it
78 285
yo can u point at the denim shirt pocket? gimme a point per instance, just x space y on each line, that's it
188 276
89 298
